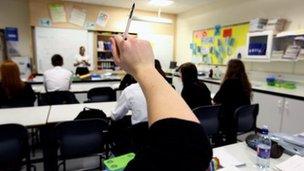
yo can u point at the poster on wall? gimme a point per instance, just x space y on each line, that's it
102 19
12 38
78 16
89 25
45 22
57 13
219 44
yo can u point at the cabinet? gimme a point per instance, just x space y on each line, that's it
104 55
280 114
293 116
270 111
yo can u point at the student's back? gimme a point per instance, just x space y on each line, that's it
234 92
24 98
57 78
196 94
13 91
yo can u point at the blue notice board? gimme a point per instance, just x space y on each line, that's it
11 34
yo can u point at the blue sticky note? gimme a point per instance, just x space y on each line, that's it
217 30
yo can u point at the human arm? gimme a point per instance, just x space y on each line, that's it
44 82
76 63
136 57
86 62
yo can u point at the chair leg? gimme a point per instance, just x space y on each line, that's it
64 165
100 162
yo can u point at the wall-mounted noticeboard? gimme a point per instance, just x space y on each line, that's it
219 44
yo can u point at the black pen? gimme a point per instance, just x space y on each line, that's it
129 22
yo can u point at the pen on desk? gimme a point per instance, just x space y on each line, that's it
129 22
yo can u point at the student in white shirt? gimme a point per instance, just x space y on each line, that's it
82 62
57 78
133 99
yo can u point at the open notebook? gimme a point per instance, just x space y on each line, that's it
226 159
295 163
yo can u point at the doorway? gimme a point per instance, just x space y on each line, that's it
2 46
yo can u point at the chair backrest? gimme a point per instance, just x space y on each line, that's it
101 94
209 118
245 117
14 147
80 138
90 113
57 97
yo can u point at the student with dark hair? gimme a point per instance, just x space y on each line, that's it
177 141
158 67
126 81
57 78
194 92
13 91
234 92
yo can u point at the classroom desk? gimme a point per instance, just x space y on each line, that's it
26 116
80 87
243 153
60 113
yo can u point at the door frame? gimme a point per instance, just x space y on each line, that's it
2 38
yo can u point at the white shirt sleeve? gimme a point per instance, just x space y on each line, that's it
122 107
44 82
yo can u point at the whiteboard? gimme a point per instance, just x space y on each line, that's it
66 42
162 47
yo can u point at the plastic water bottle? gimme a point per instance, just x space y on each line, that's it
263 149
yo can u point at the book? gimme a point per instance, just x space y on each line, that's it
294 163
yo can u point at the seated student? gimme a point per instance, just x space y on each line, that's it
57 78
13 91
234 92
176 139
126 81
132 98
194 92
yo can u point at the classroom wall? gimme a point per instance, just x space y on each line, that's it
159 34
15 13
227 12
117 21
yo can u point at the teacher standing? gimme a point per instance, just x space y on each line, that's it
82 62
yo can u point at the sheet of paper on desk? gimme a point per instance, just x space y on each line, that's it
230 168
301 135
295 163
226 159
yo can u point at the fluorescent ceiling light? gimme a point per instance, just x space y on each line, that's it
161 2
153 20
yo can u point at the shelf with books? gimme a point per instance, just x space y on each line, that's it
103 50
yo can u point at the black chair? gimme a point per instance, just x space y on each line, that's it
245 117
81 138
101 94
57 97
14 147
90 113
209 118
